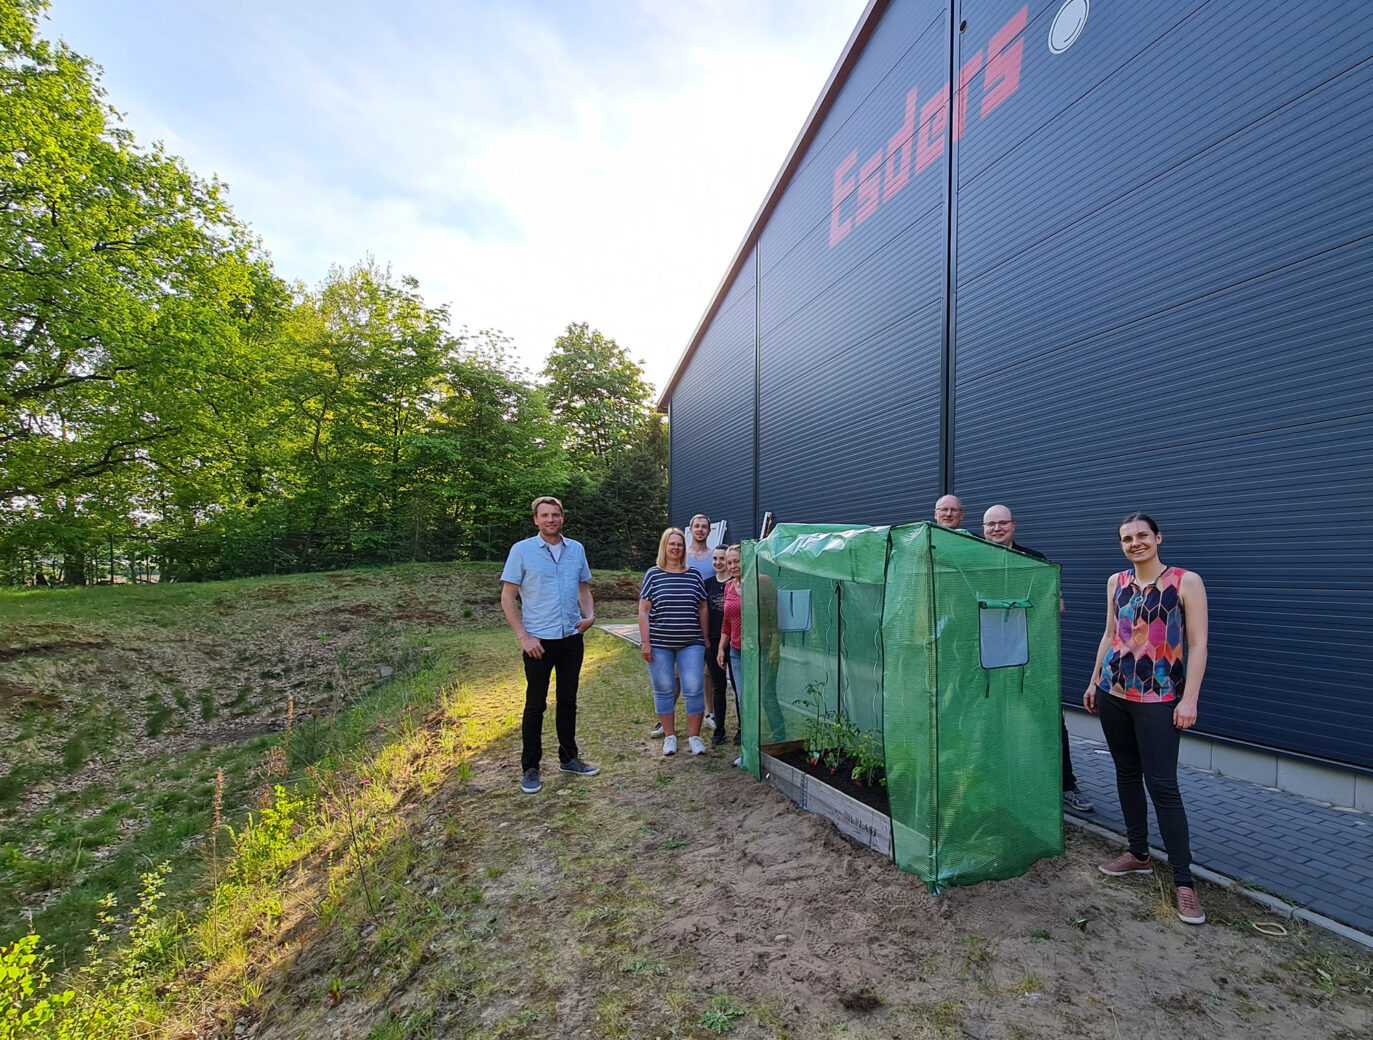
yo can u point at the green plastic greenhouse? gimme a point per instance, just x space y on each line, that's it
918 651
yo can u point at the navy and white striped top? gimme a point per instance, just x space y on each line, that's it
675 618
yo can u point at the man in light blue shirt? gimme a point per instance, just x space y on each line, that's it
550 575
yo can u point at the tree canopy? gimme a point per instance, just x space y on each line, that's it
162 387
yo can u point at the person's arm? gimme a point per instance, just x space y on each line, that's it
645 648
529 644
1089 698
586 605
705 621
1198 624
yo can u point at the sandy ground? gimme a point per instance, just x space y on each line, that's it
808 935
797 913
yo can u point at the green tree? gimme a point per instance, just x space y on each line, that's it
359 373
119 269
597 394
492 448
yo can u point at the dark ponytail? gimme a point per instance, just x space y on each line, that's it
1141 518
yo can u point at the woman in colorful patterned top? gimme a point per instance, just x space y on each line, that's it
1145 687
673 629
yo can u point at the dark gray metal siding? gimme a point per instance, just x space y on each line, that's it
1163 275
1165 303
711 422
850 331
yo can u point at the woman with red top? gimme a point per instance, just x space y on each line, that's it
1145 687
732 628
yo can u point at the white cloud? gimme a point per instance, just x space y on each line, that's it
531 166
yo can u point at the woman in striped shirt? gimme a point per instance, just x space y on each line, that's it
673 628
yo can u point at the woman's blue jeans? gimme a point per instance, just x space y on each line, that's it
688 662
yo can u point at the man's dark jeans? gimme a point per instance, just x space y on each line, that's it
1069 779
1144 744
719 688
564 656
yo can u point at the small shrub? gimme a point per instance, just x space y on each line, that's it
265 844
25 1009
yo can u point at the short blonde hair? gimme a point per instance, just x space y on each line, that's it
662 546
544 500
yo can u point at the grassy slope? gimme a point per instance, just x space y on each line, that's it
412 891
119 707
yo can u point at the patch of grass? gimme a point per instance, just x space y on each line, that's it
1334 973
1028 983
159 714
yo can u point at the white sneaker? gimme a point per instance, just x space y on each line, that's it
698 746
656 731
669 745
739 763
709 720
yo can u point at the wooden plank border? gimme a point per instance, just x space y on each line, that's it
852 817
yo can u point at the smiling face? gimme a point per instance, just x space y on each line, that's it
675 549
717 560
734 559
1139 542
700 528
948 511
998 526
548 518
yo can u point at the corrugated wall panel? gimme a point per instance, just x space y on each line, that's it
851 303
908 51
1165 290
1164 283
711 422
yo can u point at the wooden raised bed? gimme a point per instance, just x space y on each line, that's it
852 817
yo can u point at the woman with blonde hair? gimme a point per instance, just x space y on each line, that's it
673 631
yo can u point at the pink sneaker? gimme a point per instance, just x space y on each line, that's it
1126 863
1189 906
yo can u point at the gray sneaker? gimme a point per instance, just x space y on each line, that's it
531 784
656 731
1076 801
579 767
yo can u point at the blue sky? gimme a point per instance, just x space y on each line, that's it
532 164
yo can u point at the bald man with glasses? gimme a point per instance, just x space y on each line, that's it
998 527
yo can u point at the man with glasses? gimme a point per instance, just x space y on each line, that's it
998 527
948 512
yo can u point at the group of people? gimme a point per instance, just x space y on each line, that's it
689 611
1144 688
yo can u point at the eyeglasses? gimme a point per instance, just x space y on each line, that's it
998 523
